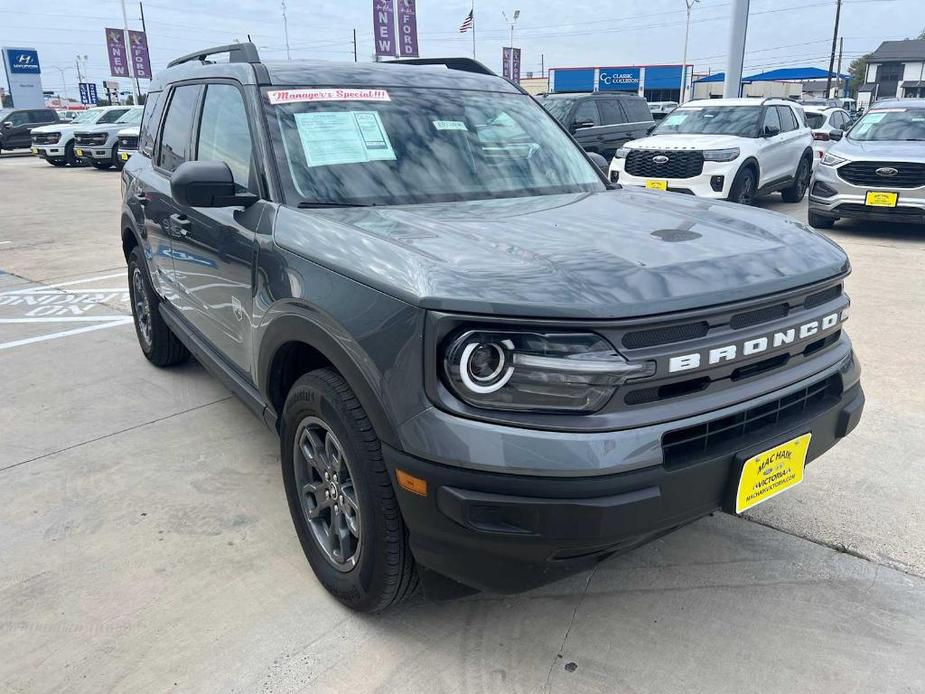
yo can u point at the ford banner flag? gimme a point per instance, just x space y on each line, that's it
138 48
407 29
115 47
384 27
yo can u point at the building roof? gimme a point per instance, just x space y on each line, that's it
908 49
715 77
785 74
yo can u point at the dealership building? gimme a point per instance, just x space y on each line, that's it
654 82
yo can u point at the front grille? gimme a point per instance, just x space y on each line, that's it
899 213
864 173
823 297
666 335
726 434
90 139
761 315
126 143
680 164
45 138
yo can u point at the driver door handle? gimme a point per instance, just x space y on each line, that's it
180 225
141 199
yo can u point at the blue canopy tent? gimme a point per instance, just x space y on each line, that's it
793 74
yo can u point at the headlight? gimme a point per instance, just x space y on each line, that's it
832 160
621 153
721 154
536 372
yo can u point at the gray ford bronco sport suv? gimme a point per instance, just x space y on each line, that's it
483 361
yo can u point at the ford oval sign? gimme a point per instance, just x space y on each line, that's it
660 159
887 171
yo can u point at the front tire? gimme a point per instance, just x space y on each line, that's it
56 162
70 157
818 221
340 495
797 190
744 187
101 165
158 343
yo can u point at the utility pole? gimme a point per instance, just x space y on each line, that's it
828 81
141 10
286 31
512 21
841 49
354 45
542 64
732 85
687 32
473 29
128 48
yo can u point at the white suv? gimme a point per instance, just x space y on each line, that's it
735 149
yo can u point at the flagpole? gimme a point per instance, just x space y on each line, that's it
473 29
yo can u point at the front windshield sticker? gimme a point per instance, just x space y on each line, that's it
870 120
449 125
343 137
675 119
293 96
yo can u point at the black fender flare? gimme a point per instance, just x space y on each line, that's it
301 326
752 162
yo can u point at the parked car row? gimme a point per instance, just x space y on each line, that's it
740 149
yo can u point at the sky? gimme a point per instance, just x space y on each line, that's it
551 33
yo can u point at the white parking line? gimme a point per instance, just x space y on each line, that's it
123 320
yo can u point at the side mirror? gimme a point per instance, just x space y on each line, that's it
836 135
7 124
599 161
771 130
207 184
580 124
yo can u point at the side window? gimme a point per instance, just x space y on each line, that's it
154 107
223 132
18 118
637 110
611 112
586 112
175 134
771 119
787 120
839 120
43 116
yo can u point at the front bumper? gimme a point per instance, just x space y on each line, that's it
845 200
507 533
703 186
49 151
91 153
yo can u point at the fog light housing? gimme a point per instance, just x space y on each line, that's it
614 176
717 182
822 190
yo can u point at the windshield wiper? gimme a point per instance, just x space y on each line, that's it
317 204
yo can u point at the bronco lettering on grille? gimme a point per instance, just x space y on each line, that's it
757 345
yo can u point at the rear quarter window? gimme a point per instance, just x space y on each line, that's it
611 113
154 106
637 109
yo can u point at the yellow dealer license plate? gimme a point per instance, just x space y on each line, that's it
772 472
653 184
123 156
35 150
80 152
877 198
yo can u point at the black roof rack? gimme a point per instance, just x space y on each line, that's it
237 53
463 64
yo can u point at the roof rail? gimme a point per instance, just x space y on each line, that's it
463 64
237 53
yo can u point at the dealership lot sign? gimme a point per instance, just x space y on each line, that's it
24 75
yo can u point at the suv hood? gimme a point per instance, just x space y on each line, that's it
696 142
892 151
615 254
100 128
61 127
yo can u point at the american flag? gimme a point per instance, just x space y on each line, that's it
467 23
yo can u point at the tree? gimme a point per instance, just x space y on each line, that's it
858 71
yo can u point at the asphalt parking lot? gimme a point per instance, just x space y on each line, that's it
146 545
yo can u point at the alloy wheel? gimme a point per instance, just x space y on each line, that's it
142 307
327 494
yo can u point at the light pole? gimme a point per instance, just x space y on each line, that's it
512 21
63 84
286 31
687 33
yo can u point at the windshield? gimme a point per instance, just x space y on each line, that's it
4 112
894 124
814 120
711 120
559 108
89 116
401 146
132 116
